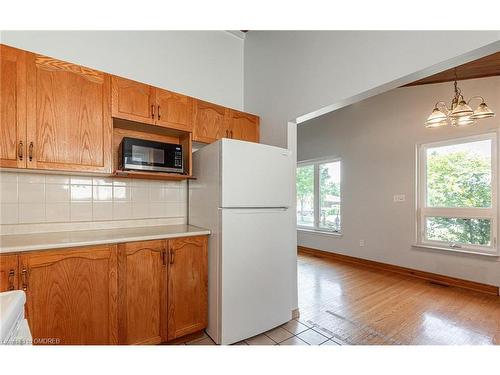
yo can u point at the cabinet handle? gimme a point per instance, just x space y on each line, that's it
227 133
164 257
152 111
24 274
159 113
231 132
30 151
20 150
171 256
12 273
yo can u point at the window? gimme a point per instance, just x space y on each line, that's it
318 196
457 194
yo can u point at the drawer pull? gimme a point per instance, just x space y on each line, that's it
20 150
30 151
152 111
171 256
24 274
159 113
12 273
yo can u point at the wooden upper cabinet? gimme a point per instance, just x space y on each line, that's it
8 272
243 126
68 116
208 121
133 100
174 110
71 294
142 292
12 107
187 286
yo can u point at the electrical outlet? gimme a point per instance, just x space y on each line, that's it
362 243
399 198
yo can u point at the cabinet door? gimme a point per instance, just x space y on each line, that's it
71 294
208 121
68 116
12 107
187 286
133 100
243 126
142 292
8 272
174 110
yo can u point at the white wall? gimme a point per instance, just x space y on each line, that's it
376 140
291 73
205 64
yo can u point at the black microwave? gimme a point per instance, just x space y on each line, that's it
144 155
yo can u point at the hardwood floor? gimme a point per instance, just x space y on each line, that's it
363 306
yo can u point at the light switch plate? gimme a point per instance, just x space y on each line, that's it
399 198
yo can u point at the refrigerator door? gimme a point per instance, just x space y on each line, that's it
255 175
257 264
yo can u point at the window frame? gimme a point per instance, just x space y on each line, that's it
423 211
316 195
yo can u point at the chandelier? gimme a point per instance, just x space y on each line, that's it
460 113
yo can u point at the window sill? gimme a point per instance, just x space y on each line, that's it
463 251
321 232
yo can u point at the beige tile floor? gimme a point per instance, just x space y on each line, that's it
295 332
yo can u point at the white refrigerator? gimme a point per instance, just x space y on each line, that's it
243 194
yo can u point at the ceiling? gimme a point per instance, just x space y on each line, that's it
487 66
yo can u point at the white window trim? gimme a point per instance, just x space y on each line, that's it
489 213
315 163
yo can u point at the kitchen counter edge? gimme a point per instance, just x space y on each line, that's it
71 239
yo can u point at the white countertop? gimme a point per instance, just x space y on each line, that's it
54 240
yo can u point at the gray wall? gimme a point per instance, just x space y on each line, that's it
376 140
205 64
292 73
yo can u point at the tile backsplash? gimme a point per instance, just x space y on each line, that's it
33 198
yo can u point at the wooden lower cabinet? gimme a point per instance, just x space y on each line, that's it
8 272
142 291
187 286
71 295
163 288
